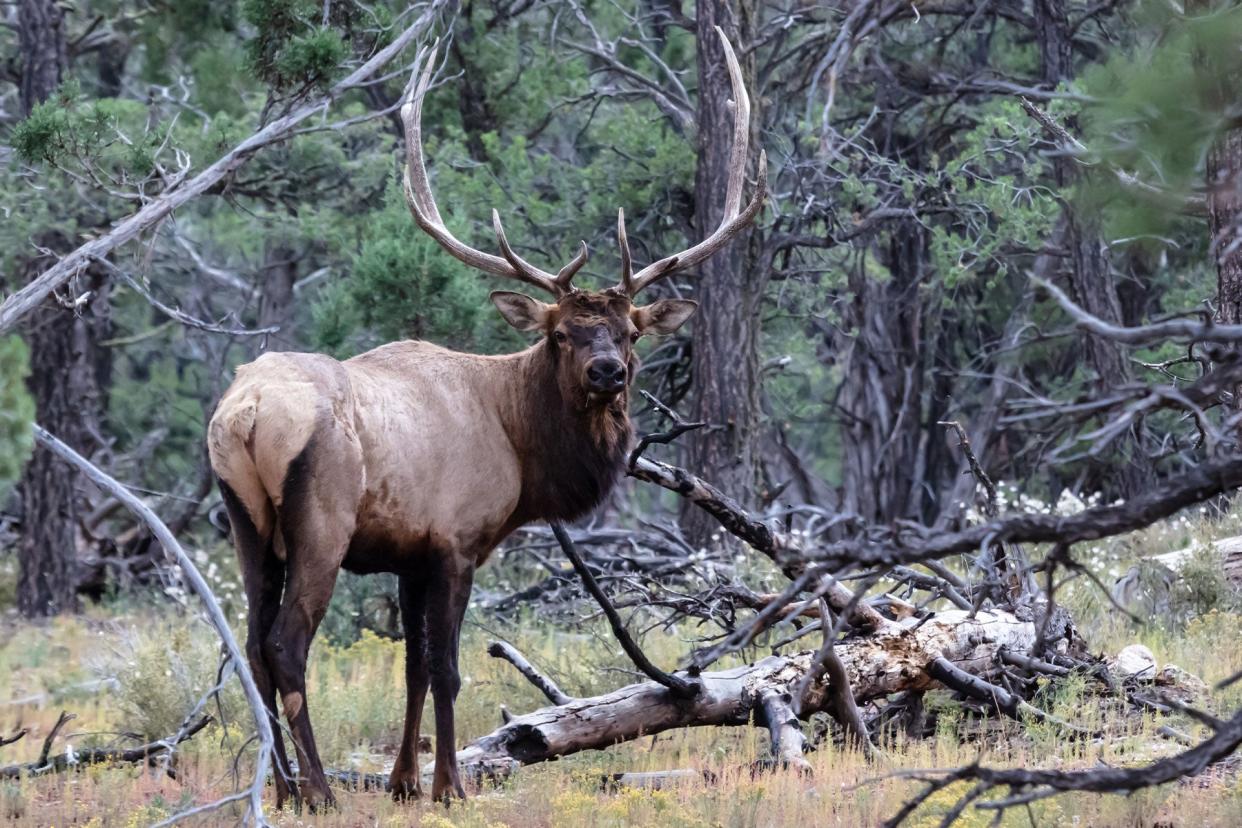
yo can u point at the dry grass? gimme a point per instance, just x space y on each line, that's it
357 699
163 661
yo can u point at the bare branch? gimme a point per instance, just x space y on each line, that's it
26 299
71 760
679 686
214 614
506 651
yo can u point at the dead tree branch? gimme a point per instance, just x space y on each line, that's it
906 545
1029 785
784 731
678 686
506 651
63 719
16 737
841 694
73 759
997 697
178 315
155 211
1172 329
215 615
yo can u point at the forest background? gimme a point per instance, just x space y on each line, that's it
885 290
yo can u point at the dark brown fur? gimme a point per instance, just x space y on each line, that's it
415 460
571 457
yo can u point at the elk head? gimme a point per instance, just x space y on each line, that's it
590 334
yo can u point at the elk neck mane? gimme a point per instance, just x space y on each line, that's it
571 451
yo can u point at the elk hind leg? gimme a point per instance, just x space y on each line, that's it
263 576
316 519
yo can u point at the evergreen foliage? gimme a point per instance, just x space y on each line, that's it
526 119
16 412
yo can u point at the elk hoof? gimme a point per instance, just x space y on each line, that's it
447 793
406 788
316 801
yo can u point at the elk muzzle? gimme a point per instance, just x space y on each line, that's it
605 375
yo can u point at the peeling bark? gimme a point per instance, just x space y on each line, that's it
896 658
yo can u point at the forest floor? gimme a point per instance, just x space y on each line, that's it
123 668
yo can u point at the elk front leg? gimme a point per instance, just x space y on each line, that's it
405 779
448 595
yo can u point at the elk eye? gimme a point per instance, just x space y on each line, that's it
560 337
634 336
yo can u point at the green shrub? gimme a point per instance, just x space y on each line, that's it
164 669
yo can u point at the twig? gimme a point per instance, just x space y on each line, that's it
679 686
963 442
506 651
179 315
679 428
16 737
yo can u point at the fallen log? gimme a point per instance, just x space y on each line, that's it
897 657
73 759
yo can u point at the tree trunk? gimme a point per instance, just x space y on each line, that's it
725 358
68 378
1091 274
883 345
41 32
68 370
276 298
1224 179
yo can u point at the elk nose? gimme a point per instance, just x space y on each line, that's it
606 374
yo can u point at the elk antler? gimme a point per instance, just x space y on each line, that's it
734 220
427 215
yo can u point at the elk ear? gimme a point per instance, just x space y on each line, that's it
521 311
664 316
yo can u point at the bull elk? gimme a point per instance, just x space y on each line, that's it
417 460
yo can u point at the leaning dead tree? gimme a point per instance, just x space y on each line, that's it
253 793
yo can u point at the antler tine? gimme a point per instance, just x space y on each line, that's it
569 271
417 189
422 203
627 264
523 269
733 221
741 129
